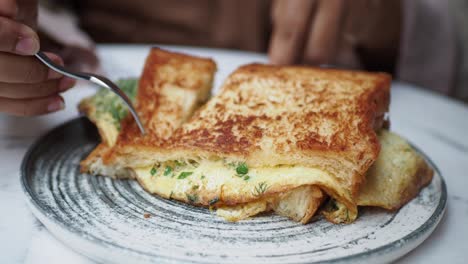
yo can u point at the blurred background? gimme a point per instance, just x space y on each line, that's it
423 42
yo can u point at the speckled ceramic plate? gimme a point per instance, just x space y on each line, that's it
104 219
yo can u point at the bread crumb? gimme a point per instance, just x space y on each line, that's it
147 215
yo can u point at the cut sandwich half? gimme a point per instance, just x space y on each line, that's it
275 138
171 87
282 139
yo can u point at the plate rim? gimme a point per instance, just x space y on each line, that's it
425 229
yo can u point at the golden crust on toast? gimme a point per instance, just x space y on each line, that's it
323 120
397 175
171 87
271 115
306 111
304 133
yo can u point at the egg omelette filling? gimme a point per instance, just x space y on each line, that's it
207 181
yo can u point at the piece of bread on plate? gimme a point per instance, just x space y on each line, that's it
270 131
277 138
171 87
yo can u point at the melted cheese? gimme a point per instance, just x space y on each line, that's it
213 181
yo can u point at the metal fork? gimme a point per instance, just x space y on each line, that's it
96 79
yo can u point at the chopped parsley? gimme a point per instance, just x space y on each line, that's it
192 197
260 189
184 174
246 178
196 186
106 102
180 163
153 170
242 169
167 171
202 177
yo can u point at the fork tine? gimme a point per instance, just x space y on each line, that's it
106 83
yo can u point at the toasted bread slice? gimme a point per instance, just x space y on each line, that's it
397 175
291 126
276 139
105 109
171 87
300 204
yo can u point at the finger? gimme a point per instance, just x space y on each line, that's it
8 8
26 69
17 38
30 107
26 90
290 20
27 14
346 55
325 31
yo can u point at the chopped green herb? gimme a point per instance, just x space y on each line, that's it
106 102
213 201
246 178
153 170
260 189
180 163
167 170
192 197
202 177
170 195
196 186
242 169
184 174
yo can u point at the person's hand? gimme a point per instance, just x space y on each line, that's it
27 87
338 32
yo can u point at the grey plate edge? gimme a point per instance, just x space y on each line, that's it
417 236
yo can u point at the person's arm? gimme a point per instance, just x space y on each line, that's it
354 34
27 87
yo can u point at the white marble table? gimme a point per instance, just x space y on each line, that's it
436 124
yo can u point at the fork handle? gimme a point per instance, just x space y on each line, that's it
75 75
